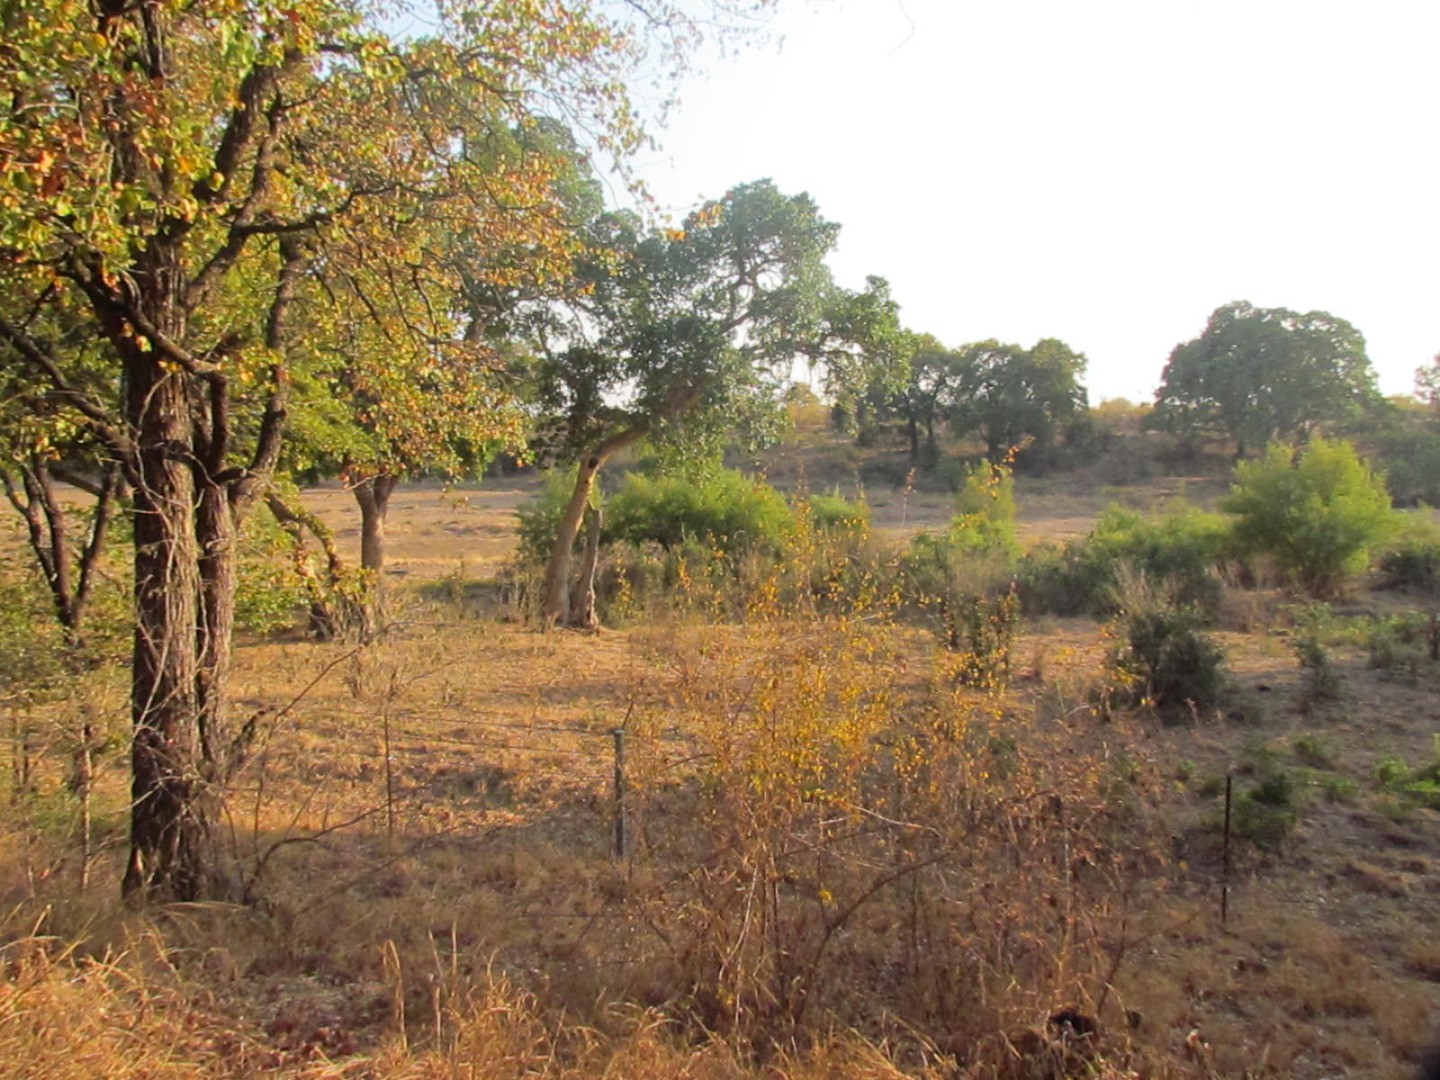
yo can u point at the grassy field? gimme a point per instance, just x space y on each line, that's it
845 856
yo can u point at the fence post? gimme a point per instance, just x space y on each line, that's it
1225 855
619 735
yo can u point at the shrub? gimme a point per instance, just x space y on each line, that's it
269 594
1162 658
1177 552
1322 681
1317 512
981 633
984 521
1399 642
1266 813
974 558
831 512
725 509
1413 562
1419 786
1062 579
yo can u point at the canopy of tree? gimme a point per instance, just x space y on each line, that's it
1009 395
217 215
1258 375
681 335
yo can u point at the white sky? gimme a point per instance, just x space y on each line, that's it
1102 171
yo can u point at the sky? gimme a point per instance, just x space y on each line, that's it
1106 172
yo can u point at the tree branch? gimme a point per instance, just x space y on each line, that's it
100 420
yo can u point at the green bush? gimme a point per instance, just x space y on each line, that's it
1265 814
1162 658
1062 579
1399 642
1175 665
831 512
1413 562
974 558
1419 786
1313 627
726 510
1318 512
1178 552
269 594
984 521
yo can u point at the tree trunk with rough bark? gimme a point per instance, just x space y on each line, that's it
556 609
170 814
582 600
373 497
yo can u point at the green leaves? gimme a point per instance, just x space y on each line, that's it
686 332
1009 394
1258 375
1318 512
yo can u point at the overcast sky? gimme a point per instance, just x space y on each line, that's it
1103 172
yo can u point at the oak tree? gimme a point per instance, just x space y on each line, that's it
1008 395
1261 375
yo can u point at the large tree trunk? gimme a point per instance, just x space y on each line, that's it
373 496
170 813
556 609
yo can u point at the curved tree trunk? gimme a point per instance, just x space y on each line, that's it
556 609
582 599
373 497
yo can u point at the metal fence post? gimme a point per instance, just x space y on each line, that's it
619 735
1225 879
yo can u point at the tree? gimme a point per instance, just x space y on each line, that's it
1260 375
448 412
1318 511
1427 385
178 178
42 445
1007 394
863 355
684 334
928 395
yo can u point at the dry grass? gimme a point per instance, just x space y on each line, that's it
841 864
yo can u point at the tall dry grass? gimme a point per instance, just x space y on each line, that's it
845 860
